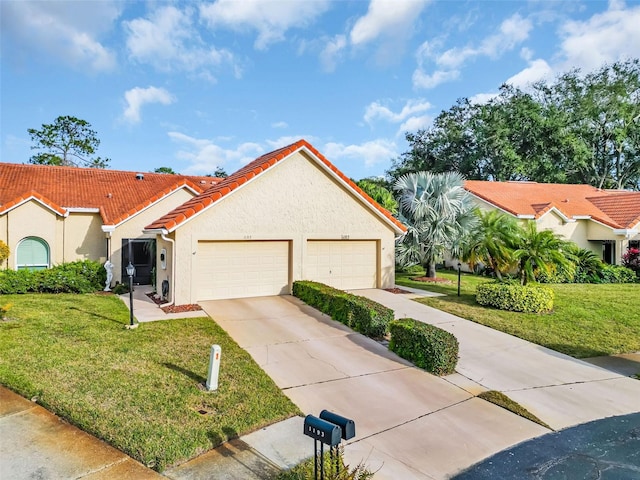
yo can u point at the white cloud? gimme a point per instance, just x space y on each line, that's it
137 97
424 80
537 70
414 124
386 18
512 32
68 32
377 110
604 38
204 155
168 40
368 153
271 19
332 51
481 98
279 125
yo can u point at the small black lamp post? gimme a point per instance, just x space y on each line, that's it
131 271
459 265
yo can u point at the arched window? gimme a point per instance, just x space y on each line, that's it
32 254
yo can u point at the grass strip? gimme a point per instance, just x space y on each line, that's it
500 399
139 390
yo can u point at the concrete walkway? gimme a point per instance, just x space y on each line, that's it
560 390
146 310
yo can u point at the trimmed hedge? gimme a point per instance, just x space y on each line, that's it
359 313
75 277
514 297
426 346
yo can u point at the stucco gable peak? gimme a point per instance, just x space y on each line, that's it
255 169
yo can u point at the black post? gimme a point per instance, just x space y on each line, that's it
459 265
321 461
315 459
131 300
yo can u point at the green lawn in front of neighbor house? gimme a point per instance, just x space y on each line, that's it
139 390
588 320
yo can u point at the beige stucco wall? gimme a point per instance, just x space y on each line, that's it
31 219
83 238
132 227
295 201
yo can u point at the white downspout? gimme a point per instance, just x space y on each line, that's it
172 286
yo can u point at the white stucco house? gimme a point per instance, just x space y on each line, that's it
288 215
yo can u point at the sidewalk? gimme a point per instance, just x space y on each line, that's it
35 444
560 390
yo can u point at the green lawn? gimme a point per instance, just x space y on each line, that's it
588 320
139 390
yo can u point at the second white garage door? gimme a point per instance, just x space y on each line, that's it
343 264
242 269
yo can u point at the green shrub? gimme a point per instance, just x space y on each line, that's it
530 298
617 274
426 346
75 277
359 313
121 288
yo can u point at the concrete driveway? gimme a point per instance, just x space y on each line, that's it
409 424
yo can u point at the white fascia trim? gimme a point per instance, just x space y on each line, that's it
108 228
349 188
582 217
560 214
82 210
627 232
526 217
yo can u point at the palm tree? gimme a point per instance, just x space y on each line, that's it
492 242
587 263
539 252
437 211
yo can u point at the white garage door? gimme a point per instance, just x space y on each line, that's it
242 269
343 264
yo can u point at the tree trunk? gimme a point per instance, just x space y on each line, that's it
430 269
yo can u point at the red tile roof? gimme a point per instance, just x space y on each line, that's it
116 194
173 219
616 208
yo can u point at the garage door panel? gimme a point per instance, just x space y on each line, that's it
242 269
343 264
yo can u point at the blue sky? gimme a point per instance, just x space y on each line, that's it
195 85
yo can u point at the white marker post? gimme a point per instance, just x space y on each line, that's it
214 367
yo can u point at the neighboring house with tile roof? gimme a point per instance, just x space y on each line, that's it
604 221
51 215
288 215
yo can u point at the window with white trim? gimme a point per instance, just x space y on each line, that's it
32 254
